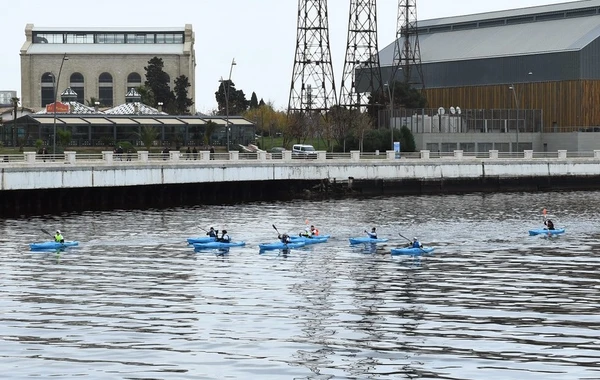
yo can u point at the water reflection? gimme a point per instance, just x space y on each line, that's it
135 301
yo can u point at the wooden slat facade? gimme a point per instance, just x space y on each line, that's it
566 106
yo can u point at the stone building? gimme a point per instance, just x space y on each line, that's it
100 63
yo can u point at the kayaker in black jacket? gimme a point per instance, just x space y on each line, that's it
549 224
212 232
285 238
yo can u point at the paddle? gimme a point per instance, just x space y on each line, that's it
46 232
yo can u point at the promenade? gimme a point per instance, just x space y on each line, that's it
31 184
30 171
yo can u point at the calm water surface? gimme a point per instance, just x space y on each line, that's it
135 302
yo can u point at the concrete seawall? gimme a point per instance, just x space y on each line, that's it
32 187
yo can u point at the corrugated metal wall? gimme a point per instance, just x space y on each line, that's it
567 105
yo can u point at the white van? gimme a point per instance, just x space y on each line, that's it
303 151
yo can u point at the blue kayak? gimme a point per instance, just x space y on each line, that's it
309 237
52 245
310 240
366 240
218 244
280 245
542 231
202 239
412 251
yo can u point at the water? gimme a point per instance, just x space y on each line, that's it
134 302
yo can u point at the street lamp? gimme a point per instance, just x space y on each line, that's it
518 98
56 82
226 91
386 85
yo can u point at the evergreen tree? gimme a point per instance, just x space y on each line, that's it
236 102
182 102
261 103
158 82
253 101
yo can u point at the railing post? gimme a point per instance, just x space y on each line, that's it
528 154
204 155
390 154
562 154
355 155
425 155
107 156
174 155
29 157
597 154
70 157
493 154
234 156
262 155
287 155
321 156
143 155
458 154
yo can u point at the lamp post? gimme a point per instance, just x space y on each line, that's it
386 85
226 91
56 82
518 98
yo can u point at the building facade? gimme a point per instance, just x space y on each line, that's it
536 58
100 63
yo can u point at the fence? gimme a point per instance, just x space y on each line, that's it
176 157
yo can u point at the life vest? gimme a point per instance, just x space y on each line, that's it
314 232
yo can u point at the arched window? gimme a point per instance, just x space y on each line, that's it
47 88
134 80
77 84
105 89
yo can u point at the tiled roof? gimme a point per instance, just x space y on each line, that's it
76 108
133 109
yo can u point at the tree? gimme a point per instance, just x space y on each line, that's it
15 104
148 135
407 140
253 101
235 103
261 103
404 95
64 137
158 82
210 128
91 102
146 95
182 102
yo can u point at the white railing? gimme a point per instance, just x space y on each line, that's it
353 156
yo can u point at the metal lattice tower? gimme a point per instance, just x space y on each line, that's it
407 53
313 84
361 67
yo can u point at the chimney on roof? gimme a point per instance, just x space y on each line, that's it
68 95
133 96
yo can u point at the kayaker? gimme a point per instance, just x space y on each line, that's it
549 224
58 237
373 233
212 232
314 231
416 244
285 238
224 237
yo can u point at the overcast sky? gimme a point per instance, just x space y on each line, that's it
260 34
